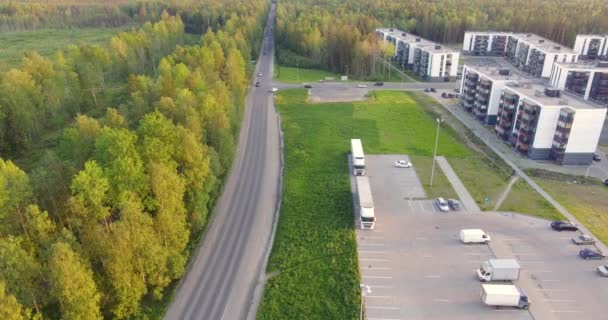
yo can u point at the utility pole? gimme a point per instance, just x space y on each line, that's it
297 72
439 120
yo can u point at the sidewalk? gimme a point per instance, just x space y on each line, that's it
465 197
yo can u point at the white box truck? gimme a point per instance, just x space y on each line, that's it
504 295
358 158
498 270
474 236
366 203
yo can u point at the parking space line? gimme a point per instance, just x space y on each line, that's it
432 276
560 300
376 268
383 287
506 310
385 308
545 280
427 256
473 253
544 289
363 251
525 254
566 311
371 244
365 259
378 297
366 237
531 262
441 300
421 238
376 277
382 319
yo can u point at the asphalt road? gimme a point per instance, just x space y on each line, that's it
229 265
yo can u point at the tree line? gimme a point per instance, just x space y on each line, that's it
338 35
126 146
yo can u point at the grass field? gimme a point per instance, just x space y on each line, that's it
299 75
587 200
524 199
47 41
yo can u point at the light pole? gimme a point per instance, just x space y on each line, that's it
297 72
439 121
346 72
368 290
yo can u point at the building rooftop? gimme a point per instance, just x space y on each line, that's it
495 71
532 39
536 91
418 41
585 65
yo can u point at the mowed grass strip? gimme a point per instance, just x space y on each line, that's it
314 260
299 75
524 199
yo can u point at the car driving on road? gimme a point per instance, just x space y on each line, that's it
442 205
590 254
308 86
403 164
361 85
583 239
563 225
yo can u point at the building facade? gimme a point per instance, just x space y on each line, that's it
528 52
586 79
548 124
429 60
592 46
481 88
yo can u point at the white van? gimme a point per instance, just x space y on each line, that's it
474 236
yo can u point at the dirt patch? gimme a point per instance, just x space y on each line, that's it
337 94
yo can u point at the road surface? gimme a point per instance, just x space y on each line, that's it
225 271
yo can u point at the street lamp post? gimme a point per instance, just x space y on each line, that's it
297 72
368 290
439 120
346 72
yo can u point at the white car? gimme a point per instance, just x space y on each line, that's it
259 74
403 164
442 205
274 90
361 85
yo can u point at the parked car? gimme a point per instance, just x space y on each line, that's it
583 239
442 205
606 182
454 204
444 95
265 53
603 270
259 74
427 90
379 83
308 86
457 90
456 95
274 90
403 164
257 83
596 157
563 225
361 85
591 254
450 95
433 90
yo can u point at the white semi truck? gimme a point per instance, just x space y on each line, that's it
358 158
504 295
366 203
498 270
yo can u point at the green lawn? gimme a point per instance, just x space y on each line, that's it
298 75
47 41
587 200
524 199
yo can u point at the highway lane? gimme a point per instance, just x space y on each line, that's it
226 269
371 86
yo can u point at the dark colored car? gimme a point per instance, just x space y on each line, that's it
433 90
454 204
444 95
257 83
450 95
308 86
563 225
427 90
379 83
596 157
590 254
606 182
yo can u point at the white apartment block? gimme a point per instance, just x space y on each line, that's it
481 88
528 52
546 123
592 46
588 79
428 59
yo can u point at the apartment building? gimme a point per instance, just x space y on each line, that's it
482 85
428 59
528 52
547 123
592 46
588 79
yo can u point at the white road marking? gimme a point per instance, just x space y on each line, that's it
473 254
386 308
565 311
531 262
560 300
377 268
371 244
382 319
377 277
371 237
427 256
441 300
544 280
420 238
365 259
383 287
507 310
432 276
363 251
379 297
526 254
543 289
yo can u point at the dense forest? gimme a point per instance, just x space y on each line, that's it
338 34
112 157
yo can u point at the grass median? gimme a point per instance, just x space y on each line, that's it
299 75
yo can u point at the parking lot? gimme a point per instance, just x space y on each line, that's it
417 268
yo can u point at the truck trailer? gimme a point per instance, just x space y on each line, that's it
366 203
504 295
358 157
498 270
